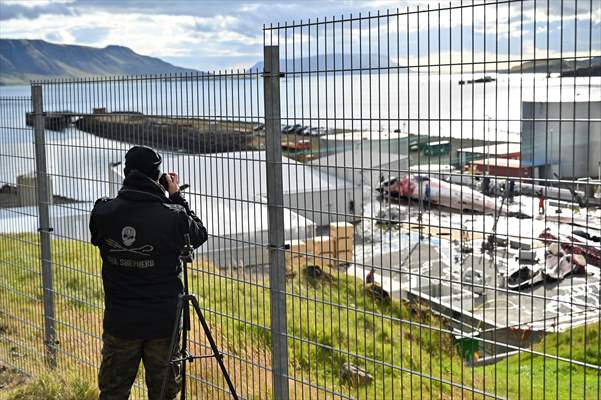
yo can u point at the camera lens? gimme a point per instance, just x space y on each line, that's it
163 181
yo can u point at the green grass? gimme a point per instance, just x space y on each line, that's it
49 385
536 377
330 321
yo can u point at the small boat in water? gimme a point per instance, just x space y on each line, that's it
484 79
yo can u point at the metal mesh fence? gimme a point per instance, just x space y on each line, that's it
400 205
451 125
21 313
205 126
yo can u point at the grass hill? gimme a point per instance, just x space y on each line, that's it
24 60
329 320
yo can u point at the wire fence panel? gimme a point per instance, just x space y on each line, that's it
21 313
404 204
209 129
441 129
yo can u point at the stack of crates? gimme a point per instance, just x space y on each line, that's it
322 249
296 253
341 235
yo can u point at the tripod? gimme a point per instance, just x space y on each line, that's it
183 311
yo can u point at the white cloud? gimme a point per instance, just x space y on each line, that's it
156 35
231 33
35 3
152 35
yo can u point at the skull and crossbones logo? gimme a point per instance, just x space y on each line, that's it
128 235
128 238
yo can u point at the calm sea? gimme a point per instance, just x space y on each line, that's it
434 105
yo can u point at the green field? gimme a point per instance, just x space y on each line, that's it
330 320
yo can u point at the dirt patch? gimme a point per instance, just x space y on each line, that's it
10 378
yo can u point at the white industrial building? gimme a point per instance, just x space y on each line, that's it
238 230
229 193
561 138
241 176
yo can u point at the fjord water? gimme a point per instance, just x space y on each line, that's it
418 103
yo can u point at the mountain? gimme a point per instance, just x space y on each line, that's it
566 67
331 61
24 60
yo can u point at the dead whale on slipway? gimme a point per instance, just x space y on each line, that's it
441 193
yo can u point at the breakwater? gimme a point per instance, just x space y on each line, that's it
52 121
184 135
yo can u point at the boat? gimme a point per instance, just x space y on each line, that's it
484 79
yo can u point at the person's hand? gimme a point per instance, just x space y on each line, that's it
172 182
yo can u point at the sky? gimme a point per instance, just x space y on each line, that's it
214 35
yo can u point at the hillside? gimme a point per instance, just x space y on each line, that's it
565 66
24 60
329 319
237 310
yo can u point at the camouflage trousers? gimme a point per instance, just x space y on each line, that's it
120 361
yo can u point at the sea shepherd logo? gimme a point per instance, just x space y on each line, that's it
128 238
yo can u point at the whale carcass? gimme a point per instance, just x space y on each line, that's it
438 192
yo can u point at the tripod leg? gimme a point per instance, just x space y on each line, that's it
214 348
184 349
173 347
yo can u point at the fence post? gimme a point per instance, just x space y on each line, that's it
44 225
275 205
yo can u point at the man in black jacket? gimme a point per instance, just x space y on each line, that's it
140 235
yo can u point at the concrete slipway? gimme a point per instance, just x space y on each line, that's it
469 288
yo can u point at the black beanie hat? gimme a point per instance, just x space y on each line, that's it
145 160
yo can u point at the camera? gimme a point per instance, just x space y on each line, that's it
165 185
163 181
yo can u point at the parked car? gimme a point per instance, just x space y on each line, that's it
318 131
297 129
306 130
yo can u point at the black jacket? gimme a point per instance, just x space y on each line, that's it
140 235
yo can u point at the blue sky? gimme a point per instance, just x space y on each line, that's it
211 35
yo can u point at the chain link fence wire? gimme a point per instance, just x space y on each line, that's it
403 204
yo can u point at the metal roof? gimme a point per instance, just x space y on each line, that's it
442 142
499 162
496 149
359 157
243 175
355 136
